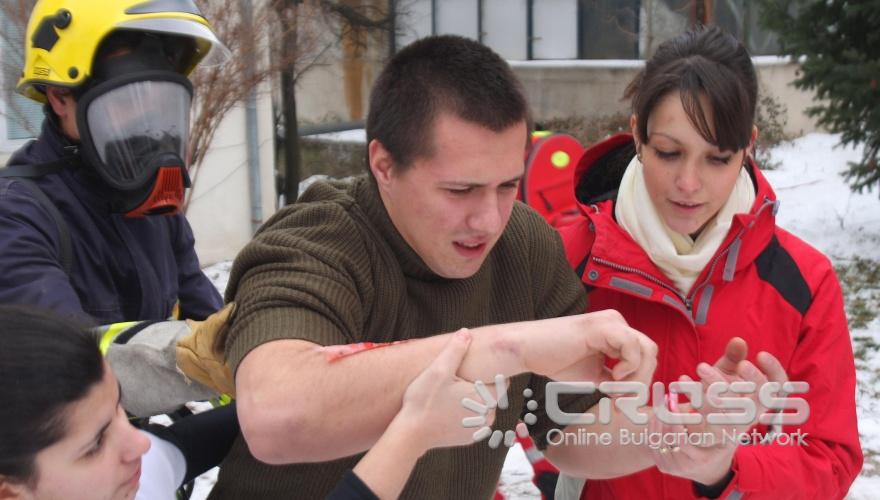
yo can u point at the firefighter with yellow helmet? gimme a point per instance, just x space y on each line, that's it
89 211
114 74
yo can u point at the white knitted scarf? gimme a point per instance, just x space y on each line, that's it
677 255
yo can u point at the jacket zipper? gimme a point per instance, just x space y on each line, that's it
639 272
724 252
689 299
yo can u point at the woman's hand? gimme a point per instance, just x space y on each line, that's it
430 417
689 459
432 411
704 452
730 370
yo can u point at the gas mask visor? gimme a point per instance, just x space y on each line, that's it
134 131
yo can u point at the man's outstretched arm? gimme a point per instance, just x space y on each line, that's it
296 406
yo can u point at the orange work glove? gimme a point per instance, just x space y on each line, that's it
200 354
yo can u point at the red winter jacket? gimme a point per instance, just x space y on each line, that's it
764 285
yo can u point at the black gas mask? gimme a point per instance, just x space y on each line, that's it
133 119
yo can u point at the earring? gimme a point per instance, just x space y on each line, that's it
639 153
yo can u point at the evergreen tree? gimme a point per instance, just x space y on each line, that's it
838 45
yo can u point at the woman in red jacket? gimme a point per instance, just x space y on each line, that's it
678 234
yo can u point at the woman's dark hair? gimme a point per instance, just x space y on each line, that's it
702 62
441 74
46 363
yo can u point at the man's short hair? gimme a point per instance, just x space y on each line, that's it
441 74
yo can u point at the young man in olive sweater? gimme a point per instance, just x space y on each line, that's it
430 242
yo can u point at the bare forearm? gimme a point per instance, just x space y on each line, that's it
296 406
308 409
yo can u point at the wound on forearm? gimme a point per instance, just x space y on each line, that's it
334 353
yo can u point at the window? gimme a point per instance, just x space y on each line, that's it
20 117
609 29
660 20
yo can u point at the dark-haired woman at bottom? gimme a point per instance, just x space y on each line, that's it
64 434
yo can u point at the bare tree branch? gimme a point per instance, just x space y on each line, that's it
360 16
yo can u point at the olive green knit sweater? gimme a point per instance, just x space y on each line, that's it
332 269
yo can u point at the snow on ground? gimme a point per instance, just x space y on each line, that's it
204 484
219 274
819 207
867 485
354 135
516 476
816 205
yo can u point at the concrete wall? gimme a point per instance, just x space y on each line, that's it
220 210
564 88
775 75
567 88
